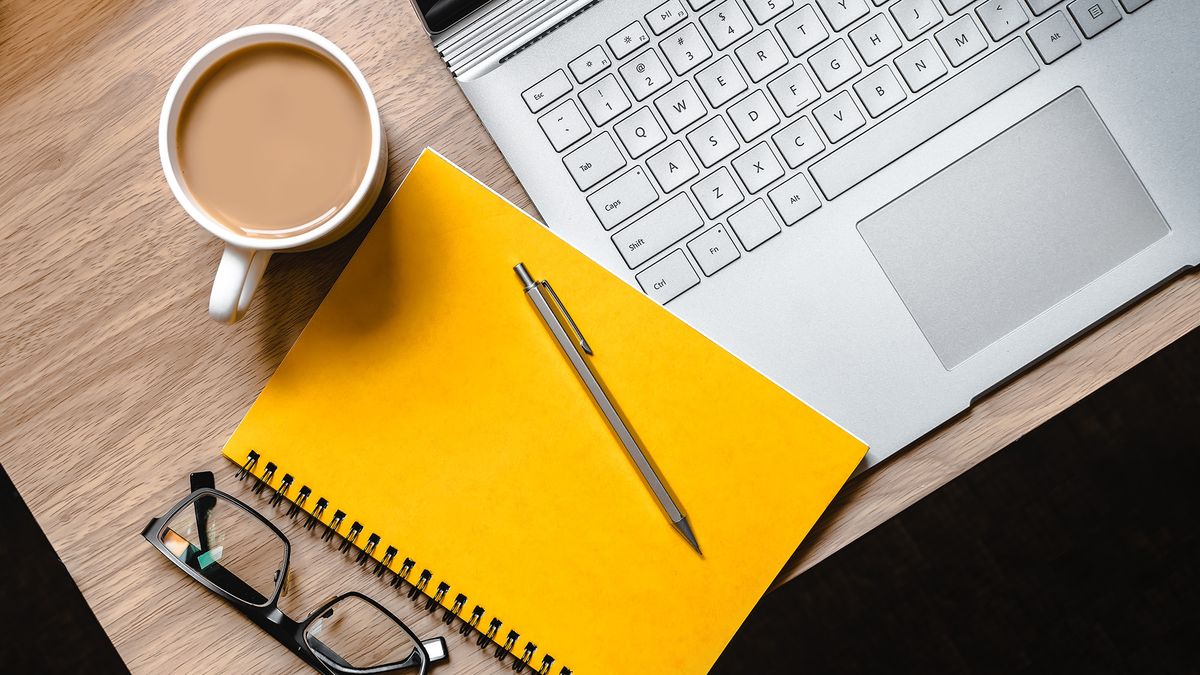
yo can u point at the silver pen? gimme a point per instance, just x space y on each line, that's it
541 294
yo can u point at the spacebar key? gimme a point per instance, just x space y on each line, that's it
653 232
925 118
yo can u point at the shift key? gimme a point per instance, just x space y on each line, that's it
655 231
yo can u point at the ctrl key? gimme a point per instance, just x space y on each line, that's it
666 279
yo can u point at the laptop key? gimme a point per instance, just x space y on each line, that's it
547 91
666 279
842 13
758 168
794 199
765 10
875 39
672 166
802 30
839 117
726 24
1054 37
564 125
915 17
834 65
754 225
685 49
649 235
627 40
961 40
680 107
924 118
879 91
1001 17
920 66
953 6
665 16
626 195
761 56
589 64
713 141
717 192
720 82
594 161
753 116
645 74
639 133
604 100
1040 7
794 90
1094 16
798 142
713 250
1133 5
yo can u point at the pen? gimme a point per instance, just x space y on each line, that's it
541 293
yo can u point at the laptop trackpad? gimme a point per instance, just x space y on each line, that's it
1019 224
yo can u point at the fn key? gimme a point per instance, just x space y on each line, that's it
666 279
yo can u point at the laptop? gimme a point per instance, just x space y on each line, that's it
888 206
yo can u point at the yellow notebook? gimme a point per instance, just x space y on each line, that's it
427 400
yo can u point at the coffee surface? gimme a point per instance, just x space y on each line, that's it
274 140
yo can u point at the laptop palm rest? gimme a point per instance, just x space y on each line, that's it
1005 233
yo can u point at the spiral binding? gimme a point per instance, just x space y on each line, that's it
416 589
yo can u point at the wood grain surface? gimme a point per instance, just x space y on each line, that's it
114 384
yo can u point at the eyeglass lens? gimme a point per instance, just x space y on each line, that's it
355 633
228 546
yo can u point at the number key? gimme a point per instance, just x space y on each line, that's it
645 74
604 100
726 24
765 10
685 49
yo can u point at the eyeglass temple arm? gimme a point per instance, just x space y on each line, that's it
200 480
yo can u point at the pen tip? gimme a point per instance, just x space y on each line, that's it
686 530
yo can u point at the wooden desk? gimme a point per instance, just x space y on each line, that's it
114 384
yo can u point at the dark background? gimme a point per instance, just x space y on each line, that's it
1073 550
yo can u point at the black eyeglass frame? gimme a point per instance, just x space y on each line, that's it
267 615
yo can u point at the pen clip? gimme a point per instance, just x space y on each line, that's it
583 343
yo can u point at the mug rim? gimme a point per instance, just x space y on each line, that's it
177 94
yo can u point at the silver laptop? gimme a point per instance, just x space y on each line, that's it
887 206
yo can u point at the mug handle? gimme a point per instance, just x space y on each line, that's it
237 277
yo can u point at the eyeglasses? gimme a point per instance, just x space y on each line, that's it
236 553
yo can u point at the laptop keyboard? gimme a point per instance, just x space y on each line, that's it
709 127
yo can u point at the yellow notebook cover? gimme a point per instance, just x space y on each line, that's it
428 401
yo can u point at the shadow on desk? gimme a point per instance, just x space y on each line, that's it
1073 550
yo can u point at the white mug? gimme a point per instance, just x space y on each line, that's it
245 258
